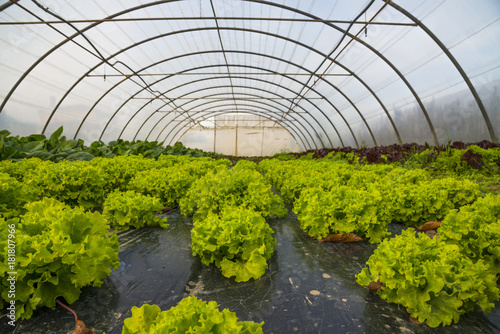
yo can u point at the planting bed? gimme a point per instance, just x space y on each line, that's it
309 287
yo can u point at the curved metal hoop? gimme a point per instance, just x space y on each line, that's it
51 115
267 108
305 14
218 113
250 87
264 114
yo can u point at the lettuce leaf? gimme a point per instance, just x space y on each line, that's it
170 184
130 209
76 183
254 267
428 278
475 229
242 187
191 315
59 250
343 210
141 320
239 241
13 196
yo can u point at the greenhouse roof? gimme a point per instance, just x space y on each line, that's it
331 73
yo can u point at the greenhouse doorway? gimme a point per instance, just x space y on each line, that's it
239 134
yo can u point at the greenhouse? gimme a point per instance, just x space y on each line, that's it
250 166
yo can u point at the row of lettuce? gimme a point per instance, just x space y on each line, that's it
436 280
229 208
57 147
62 243
52 209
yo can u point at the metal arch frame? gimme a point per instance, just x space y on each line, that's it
375 51
270 107
160 36
457 65
278 112
223 86
256 1
255 31
168 1
254 88
190 69
248 78
226 111
310 73
288 77
201 89
269 110
149 39
218 113
231 111
292 41
225 77
264 113
199 80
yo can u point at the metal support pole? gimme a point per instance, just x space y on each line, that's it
215 131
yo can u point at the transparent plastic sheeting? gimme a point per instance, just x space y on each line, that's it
330 73
309 287
240 135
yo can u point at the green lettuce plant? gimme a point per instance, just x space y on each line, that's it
76 183
428 278
274 171
59 250
350 158
239 188
239 241
407 176
13 196
343 210
367 175
130 209
246 164
291 177
171 184
417 203
459 192
191 315
121 169
20 169
413 204
295 184
475 229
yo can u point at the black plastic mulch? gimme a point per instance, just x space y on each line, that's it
309 287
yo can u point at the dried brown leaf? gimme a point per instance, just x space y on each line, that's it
375 286
416 321
166 209
429 226
82 329
341 237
